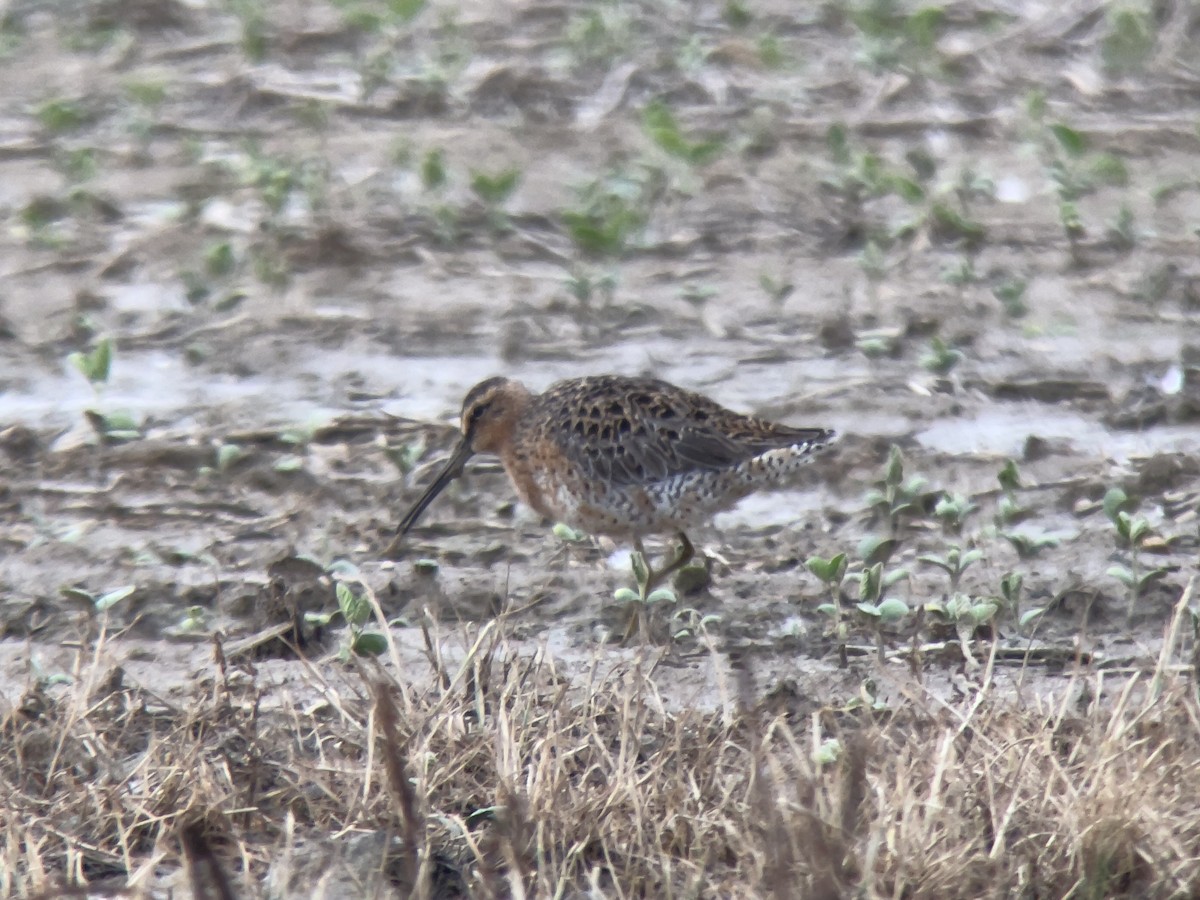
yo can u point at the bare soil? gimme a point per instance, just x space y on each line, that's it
243 199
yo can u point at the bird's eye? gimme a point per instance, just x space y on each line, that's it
476 414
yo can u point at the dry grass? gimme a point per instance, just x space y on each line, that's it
505 779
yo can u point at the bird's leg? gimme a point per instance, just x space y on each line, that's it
642 573
681 557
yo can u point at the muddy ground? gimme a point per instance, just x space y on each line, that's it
269 211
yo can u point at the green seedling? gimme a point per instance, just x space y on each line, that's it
1131 533
831 573
1011 294
584 286
1123 231
961 274
100 603
894 496
494 191
603 33
828 753
776 289
147 92
948 224
661 127
286 465
874 263
941 358
876 549
96 364
252 18
641 602
952 510
873 606
691 623
736 14
78 165
219 259
965 613
228 456
426 568
194 624
875 347
770 51
357 611
1008 509
405 456
61 115
434 175
1116 501
1011 586
859 175
698 295
886 613
567 534
894 39
1029 544
954 563
1075 170
1128 43
115 427
612 211
299 435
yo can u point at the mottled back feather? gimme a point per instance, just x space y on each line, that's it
639 431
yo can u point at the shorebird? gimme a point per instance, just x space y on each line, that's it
623 457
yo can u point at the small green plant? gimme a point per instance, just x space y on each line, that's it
1012 585
1075 171
60 115
434 175
955 562
611 212
113 427
691 623
831 573
663 129
584 286
893 495
892 38
1010 291
736 14
776 289
952 510
100 603
962 273
252 18
1129 40
642 603
1123 231
78 165
228 456
96 364
965 613
876 609
356 609
493 191
1131 534
1008 509
567 534
1030 544
602 33
941 358
406 456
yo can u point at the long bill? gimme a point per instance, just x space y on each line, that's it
450 471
